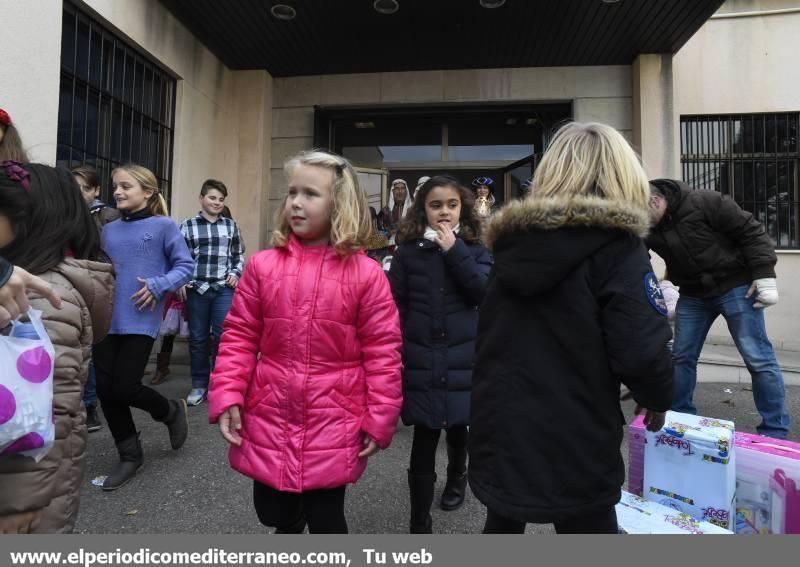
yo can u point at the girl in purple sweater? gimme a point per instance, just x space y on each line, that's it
150 258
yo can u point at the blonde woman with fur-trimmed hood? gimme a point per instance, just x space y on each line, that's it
572 310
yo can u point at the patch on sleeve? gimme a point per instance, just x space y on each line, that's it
654 295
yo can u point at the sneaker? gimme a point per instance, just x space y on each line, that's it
92 419
196 396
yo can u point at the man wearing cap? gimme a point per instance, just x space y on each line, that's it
724 263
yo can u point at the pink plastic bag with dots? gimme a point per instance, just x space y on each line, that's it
26 392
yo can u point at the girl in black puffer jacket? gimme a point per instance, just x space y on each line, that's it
438 277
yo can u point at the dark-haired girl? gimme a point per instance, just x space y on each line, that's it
438 276
46 229
11 148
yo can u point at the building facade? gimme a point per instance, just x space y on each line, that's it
159 81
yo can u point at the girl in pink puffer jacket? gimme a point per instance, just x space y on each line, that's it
307 380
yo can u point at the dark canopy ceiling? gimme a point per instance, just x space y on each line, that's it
349 36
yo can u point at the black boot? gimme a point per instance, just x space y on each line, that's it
131 459
92 419
296 528
177 422
421 488
453 494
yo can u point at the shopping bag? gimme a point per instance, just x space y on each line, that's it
171 323
26 391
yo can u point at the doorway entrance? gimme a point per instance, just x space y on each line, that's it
503 142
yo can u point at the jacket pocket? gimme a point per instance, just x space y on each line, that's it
255 398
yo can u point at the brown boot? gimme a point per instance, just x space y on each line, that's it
162 367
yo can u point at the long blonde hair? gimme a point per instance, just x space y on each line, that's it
591 159
147 179
351 224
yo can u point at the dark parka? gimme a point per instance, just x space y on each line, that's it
438 294
710 245
566 318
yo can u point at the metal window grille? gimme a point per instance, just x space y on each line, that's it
115 105
753 158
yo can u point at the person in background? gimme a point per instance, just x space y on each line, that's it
102 214
724 263
438 277
572 310
11 148
420 182
485 203
399 204
46 229
218 251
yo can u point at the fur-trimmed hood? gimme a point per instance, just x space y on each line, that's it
550 214
538 242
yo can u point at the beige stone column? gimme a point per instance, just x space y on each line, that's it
30 66
251 121
655 123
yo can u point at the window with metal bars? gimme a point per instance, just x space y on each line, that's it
115 105
753 158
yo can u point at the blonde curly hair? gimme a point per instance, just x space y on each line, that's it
351 224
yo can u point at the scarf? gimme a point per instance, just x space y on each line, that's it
430 232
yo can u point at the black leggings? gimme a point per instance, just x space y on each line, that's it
423 447
119 362
323 509
602 522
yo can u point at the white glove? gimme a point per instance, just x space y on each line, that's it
766 292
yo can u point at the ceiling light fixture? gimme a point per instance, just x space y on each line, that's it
610 1
283 12
364 124
492 3
386 6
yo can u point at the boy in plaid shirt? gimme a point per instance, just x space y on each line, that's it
218 250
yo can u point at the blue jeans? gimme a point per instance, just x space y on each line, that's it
746 324
206 311
90 390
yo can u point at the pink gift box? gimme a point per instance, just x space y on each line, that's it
768 485
636 439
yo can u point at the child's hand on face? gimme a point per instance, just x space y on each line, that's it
144 298
230 422
370 447
445 237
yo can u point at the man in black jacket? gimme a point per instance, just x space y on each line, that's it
724 263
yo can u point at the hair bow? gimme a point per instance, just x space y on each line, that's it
16 172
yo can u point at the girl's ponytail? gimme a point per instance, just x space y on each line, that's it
158 205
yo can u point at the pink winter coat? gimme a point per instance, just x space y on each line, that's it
311 353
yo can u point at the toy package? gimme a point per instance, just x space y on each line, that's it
637 515
767 485
690 466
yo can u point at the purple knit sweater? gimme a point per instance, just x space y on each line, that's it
153 249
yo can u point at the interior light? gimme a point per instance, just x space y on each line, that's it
386 6
492 3
283 12
364 124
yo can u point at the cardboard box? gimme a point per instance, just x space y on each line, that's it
637 515
690 466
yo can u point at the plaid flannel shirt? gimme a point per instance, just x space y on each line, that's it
217 249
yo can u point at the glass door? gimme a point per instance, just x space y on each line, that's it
374 183
517 177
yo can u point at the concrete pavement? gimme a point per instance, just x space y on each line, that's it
193 490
